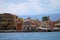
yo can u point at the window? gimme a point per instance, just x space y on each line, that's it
9 21
44 25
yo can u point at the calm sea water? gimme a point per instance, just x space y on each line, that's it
30 36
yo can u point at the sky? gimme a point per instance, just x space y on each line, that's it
30 7
53 17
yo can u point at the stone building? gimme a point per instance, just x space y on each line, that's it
8 21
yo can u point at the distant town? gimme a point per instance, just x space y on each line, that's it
12 23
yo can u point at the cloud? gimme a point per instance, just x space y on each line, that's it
55 3
14 8
27 8
20 9
35 5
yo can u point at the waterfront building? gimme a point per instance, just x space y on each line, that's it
8 21
57 23
46 25
27 24
33 25
45 21
37 22
19 24
52 24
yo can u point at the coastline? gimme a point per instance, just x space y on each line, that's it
15 31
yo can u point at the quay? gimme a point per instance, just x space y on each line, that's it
41 30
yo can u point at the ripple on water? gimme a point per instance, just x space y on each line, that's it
30 36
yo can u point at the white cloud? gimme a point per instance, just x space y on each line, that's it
26 7
20 9
14 8
35 5
55 3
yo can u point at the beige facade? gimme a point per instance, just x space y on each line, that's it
8 21
57 23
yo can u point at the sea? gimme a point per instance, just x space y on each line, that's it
30 36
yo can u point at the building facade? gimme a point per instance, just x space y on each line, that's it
8 21
57 23
20 24
27 24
